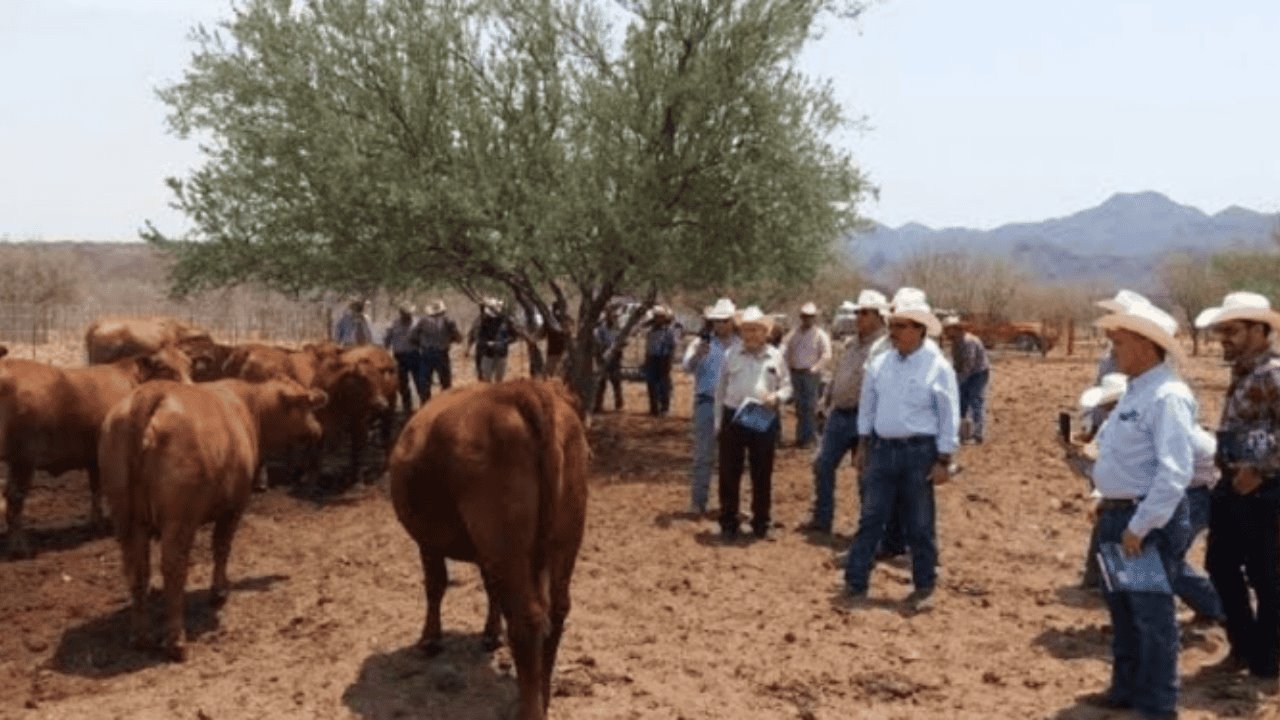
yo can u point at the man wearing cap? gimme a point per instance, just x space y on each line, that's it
969 358
840 404
1145 463
433 336
354 327
908 418
1243 531
807 352
659 354
398 339
702 359
752 372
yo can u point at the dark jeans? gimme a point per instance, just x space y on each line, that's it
804 385
1244 547
409 365
756 448
612 376
1192 586
897 472
1144 642
657 378
839 436
435 362
973 401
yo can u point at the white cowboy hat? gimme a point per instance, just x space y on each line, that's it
911 304
1109 390
753 315
1123 300
407 308
951 321
1148 321
436 307
871 300
847 307
722 310
808 309
1240 306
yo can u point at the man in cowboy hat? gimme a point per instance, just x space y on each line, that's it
969 358
1145 463
752 372
659 354
1243 530
433 336
908 418
492 334
840 404
354 327
399 340
702 359
807 352
1123 300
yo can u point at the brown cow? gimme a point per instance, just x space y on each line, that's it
208 358
108 340
50 418
356 388
175 457
496 475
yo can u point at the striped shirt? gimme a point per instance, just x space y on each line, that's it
913 395
846 381
808 349
1146 449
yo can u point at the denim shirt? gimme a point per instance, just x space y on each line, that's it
1146 447
912 395
706 372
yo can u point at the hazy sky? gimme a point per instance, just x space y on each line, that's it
979 112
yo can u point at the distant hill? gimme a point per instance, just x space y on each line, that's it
1123 238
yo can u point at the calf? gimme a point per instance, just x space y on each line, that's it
496 475
175 457
113 339
50 418
356 396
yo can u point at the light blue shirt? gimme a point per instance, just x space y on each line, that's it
1146 447
912 395
706 372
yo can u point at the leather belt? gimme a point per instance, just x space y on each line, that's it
1118 503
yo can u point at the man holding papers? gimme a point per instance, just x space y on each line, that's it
752 386
1145 463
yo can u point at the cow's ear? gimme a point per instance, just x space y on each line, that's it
319 398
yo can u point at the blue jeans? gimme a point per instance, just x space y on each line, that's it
838 437
804 385
1144 643
897 473
657 379
704 449
1192 586
973 400
435 362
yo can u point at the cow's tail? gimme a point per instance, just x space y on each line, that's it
131 442
538 408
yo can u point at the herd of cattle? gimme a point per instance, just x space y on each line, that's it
173 427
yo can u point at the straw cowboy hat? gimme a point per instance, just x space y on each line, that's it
1109 390
871 300
951 321
436 307
1240 306
1123 300
1148 321
753 315
912 304
808 309
722 310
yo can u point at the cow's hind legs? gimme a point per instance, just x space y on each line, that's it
224 529
527 629
175 553
436 580
135 549
492 638
97 520
559 611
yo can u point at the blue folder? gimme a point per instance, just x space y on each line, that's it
1143 573
754 416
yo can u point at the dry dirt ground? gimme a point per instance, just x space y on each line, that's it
667 621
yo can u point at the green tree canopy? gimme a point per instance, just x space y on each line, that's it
542 149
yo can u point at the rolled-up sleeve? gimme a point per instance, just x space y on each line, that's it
1173 427
946 403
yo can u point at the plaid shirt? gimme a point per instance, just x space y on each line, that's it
1253 404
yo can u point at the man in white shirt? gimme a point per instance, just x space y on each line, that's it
808 351
908 420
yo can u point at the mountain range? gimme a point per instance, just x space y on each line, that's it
1125 237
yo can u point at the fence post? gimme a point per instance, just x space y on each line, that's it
1071 336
